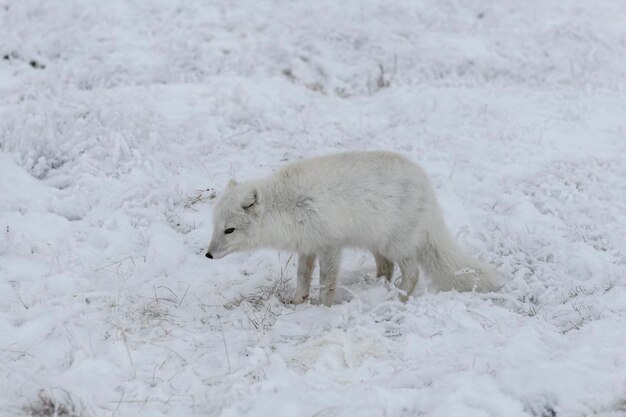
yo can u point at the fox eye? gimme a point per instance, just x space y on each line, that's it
229 230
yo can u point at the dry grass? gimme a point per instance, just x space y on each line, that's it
47 405
264 305
383 79
199 197
530 304
157 309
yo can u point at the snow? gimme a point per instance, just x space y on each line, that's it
121 120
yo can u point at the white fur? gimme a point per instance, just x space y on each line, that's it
378 201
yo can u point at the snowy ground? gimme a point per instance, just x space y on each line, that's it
119 120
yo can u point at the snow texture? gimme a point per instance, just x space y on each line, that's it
121 120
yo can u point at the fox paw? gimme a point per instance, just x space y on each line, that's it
297 299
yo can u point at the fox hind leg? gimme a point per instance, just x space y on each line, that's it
329 267
410 275
384 267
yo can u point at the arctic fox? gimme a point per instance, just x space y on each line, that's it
379 201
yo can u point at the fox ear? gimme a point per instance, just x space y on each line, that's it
232 183
249 200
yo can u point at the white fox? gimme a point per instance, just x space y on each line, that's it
378 201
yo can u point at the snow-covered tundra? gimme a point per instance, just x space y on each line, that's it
378 201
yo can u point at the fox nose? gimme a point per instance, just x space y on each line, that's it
208 255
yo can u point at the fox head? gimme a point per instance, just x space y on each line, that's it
235 221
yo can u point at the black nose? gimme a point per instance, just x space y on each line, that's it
208 255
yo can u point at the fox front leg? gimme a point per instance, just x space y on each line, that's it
306 265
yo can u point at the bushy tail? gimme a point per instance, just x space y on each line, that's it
450 268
